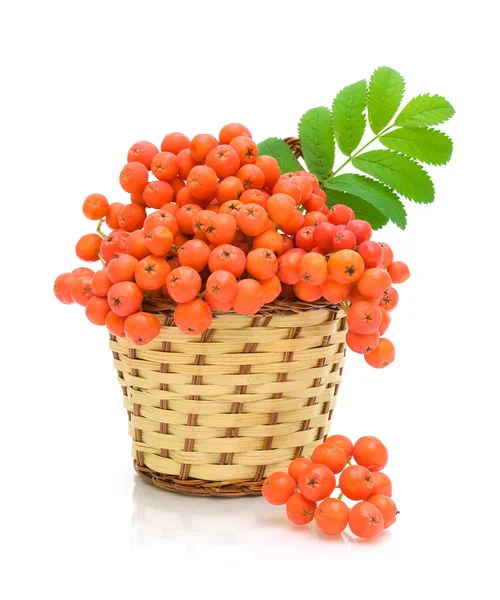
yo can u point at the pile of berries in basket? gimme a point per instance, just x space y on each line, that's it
212 226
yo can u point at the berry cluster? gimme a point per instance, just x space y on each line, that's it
316 480
220 228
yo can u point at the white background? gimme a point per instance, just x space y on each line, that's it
83 81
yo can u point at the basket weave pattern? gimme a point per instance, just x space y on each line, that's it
215 414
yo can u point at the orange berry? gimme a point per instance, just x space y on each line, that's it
186 163
221 229
252 219
281 208
157 193
88 247
334 292
313 268
113 215
175 143
362 343
202 182
271 169
251 177
230 188
249 297
269 239
297 466
232 130
183 284
201 145
159 241
271 288
115 324
142 152
332 456
278 488
332 516
122 268
132 217
134 177
229 258
165 166
101 283
365 520
398 271
194 253
371 453
299 510
383 355
373 282
307 292
386 506
316 482
342 441
246 149
151 272
141 328
345 266
95 207
193 317
97 310
223 160
364 317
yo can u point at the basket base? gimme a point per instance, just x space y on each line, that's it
198 487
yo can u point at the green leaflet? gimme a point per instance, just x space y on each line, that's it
277 148
362 209
399 172
386 91
316 138
429 146
374 192
348 119
425 110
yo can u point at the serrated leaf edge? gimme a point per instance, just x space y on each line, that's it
402 174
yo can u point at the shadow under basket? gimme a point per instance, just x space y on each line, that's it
215 414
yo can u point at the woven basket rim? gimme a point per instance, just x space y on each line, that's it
278 307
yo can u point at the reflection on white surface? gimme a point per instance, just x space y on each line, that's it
193 525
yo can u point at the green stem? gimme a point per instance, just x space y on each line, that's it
340 496
358 152
99 225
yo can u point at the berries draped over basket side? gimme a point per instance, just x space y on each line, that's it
213 226
316 479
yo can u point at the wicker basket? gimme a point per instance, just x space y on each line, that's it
215 414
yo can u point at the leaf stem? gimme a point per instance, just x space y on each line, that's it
358 152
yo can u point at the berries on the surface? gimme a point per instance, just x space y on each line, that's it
364 503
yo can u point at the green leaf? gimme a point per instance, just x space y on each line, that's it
429 146
316 139
362 209
399 172
381 197
425 110
277 148
386 91
348 119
